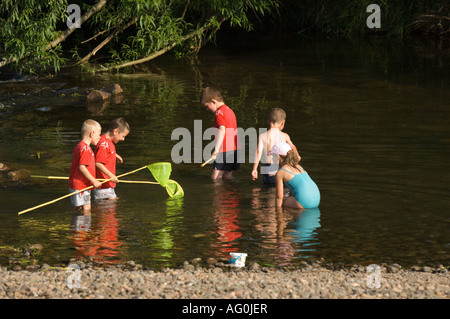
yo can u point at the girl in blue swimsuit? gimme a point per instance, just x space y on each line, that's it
304 192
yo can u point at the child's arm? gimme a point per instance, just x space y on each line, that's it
103 168
258 154
85 172
280 189
219 140
288 141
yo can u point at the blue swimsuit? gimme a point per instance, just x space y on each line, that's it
304 189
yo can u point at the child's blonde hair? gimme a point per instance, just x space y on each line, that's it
89 126
277 115
209 94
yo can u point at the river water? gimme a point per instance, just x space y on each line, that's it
370 117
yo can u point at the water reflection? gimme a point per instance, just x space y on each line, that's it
163 237
97 107
267 222
96 235
285 232
305 228
227 205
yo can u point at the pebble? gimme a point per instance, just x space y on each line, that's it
223 281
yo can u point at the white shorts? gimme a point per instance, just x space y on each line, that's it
104 193
80 199
81 222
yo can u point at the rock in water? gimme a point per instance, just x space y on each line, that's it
97 96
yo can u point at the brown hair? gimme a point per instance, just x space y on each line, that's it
209 94
277 115
290 159
119 123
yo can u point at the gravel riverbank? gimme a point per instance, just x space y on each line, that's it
193 281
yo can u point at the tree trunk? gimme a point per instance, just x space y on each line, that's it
104 42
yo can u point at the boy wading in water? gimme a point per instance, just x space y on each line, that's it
106 157
266 140
226 140
82 170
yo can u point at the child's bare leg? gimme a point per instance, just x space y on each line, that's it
291 202
216 174
83 209
227 174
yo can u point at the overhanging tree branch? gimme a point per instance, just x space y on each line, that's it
163 25
104 42
160 52
149 57
83 19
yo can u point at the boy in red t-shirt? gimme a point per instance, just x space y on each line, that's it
227 141
106 157
82 171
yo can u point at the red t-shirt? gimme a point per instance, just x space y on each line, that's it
226 117
82 155
105 153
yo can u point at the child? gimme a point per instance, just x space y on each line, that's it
305 193
106 156
266 140
82 171
226 141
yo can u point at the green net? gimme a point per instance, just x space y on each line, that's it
174 189
161 172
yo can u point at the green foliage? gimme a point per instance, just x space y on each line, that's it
27 27
137 28
120 31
